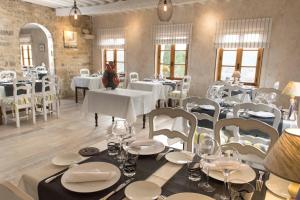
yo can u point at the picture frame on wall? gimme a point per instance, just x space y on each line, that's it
70 39
42 47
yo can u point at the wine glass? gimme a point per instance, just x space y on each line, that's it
207 150
229 162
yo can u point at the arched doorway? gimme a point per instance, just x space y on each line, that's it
42 51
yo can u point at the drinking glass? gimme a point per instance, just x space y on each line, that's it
208 149
194 171
129 165
228 161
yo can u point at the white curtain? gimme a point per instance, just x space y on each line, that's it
111 38
243 33
172 34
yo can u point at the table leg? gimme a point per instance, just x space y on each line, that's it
144 121
158 103
84 92
96 119
76 94
113 119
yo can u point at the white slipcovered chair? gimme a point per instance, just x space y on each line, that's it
8 191
182 92
227 93
186 136
265 95
249 152
276 85
84 72
24 100
49 97
133 77
7 76
213 89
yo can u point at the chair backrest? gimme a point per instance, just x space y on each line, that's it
248 125
203 101
23 91
186 83
10 192
8 75
133 77
246 107
261 95
229 90
50 84
276 85
174 113
40 68
84 72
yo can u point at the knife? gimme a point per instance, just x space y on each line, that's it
120 187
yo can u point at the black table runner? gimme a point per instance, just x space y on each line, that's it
180 183
54 190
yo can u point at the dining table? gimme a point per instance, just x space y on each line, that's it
171 177
85 83
123 103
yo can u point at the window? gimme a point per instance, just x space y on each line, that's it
117 56
247 61
172 60
26 55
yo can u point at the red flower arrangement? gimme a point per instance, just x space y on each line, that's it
110 77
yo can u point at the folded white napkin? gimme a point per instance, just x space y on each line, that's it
88 176
139 143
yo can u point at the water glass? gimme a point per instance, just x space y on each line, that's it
129 165
194 171
113 148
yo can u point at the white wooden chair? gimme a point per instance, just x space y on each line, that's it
20 101
49 97
182 92
7 76
276 85
263 95
8 191
228 91
84 72
186 137
250 152
213 89
133 77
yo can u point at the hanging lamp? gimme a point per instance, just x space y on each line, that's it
165 10
75 15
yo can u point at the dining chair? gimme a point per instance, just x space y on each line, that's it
7 75
133 77
252 149
8 191
49 97
23 99
84 72
213 89
185 135
276 85
265 95
233 94
182 92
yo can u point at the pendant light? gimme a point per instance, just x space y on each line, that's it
165 10
75 15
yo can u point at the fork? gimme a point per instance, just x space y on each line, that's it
259 182
161 155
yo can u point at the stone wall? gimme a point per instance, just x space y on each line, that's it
14 14
281 62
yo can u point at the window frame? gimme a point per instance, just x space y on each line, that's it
172 60
238 64
115 57
29 54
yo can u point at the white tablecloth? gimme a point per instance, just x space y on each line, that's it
91 83
123 103
156 88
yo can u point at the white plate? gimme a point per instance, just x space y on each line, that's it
244 175
156 148
261 114
67 159
207 107
95 186
188 196
179 157
142 190
278 186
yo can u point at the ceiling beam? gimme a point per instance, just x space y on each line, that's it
122 6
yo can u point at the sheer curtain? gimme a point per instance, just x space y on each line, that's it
243 33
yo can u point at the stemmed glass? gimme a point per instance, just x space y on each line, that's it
228 161
208 149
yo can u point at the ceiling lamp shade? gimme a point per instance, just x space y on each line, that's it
75 16
165 10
